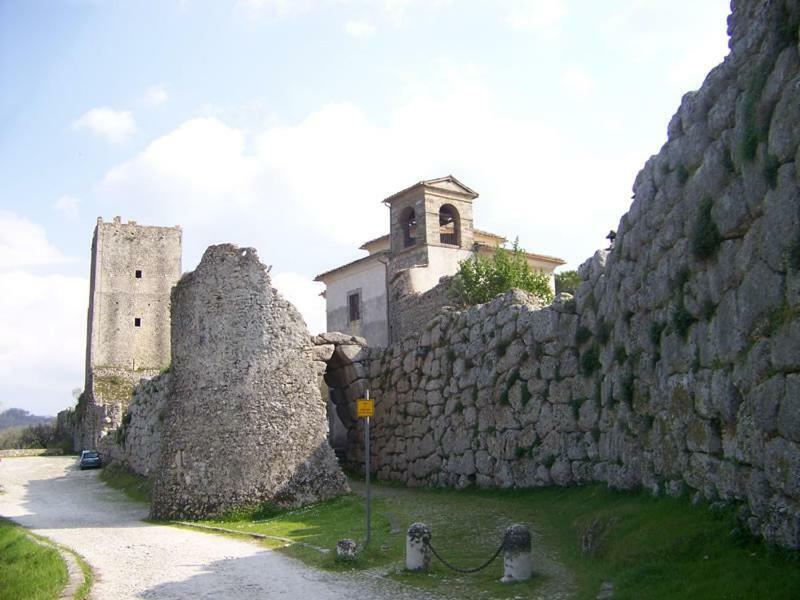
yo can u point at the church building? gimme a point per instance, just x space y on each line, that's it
431 230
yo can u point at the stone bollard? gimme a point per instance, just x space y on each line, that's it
418 553
346 550
517 561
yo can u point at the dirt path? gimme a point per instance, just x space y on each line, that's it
133 559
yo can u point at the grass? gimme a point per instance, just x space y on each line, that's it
134 486
648 547
27 569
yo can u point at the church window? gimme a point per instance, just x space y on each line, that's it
448 225
137 322
354 306
408 222
138 273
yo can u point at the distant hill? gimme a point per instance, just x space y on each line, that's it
16 417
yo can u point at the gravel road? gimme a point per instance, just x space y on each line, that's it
133 559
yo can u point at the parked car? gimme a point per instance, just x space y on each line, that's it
90 459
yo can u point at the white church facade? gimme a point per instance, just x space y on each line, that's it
431 230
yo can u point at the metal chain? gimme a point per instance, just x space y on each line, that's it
455 568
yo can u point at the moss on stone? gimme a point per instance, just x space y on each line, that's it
113 389
590 360
706 237
771 166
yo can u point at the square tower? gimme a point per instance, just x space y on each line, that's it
133 270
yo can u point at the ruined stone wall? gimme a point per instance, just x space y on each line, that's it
245 422
141 432
677 364
409 311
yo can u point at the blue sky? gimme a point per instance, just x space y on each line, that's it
281 124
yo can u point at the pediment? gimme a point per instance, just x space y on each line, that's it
451 184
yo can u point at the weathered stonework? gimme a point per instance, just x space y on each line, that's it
133 269
409 311
142 429
677 364
245 423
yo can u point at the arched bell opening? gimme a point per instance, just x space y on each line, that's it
449 225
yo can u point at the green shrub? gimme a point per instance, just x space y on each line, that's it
682 320
590 360
753 129
582 335
480 279
709 308
567 281
656 330
526 395
705 236
620 355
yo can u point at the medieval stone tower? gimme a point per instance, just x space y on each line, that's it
133 270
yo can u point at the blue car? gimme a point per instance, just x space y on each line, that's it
90 459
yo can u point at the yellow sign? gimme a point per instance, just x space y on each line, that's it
365 408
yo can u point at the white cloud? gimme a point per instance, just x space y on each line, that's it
42 339
200 167
650 31
541 15
304 293
577 80
307 194
68 206
155 96
114 126
274 8
690 68
359 29
23 243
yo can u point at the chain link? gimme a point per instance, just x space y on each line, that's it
460 570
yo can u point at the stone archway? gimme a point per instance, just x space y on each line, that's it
345 379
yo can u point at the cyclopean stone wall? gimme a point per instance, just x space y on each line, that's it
245 422
677 364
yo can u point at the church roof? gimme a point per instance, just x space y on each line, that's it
359 261
454 185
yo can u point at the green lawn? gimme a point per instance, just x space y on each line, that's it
27 569
647 547
132 485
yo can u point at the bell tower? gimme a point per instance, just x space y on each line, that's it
431 224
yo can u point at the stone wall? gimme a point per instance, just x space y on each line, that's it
142 426
410 311
677 364
245 422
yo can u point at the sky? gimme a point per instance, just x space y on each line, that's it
282 124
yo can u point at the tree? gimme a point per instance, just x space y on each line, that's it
567 281
479 279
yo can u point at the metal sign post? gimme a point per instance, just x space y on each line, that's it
366 469
366 409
